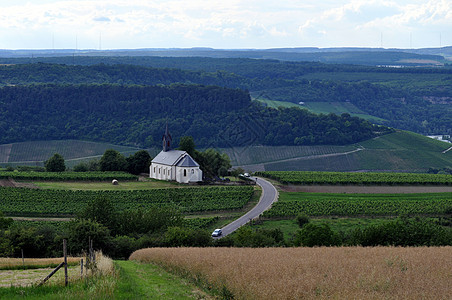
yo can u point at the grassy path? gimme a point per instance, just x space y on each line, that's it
146 281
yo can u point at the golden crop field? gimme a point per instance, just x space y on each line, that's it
306 273
6 263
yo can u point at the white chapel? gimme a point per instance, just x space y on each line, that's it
174 164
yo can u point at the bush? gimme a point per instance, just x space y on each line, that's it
122 247
316 235
403 232
302 219
179 236
247 237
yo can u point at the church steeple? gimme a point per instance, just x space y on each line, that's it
166 139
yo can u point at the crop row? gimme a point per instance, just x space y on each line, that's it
299 177
200 223
291 204
68 176
36 202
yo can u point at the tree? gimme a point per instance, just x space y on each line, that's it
112 160
80 231
55 164
312 235
139 162
101 210
211 161
187 144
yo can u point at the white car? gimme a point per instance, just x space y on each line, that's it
246 174
216 232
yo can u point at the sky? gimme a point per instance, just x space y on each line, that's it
226 24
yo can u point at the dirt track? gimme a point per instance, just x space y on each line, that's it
7 183
358 189
13 183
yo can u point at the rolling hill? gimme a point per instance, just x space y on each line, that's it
73 151
399 151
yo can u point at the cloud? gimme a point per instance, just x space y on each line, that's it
101 19
227 24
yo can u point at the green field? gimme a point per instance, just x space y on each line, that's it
339 108
295 177
269 154
98 185
399 151
37 202
318 204
277 104
323 108
68 176
74 151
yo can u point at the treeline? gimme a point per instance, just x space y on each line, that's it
402 98
119 233
136 115
25 74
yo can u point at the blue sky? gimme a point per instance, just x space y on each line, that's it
131 24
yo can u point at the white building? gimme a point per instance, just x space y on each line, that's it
174 165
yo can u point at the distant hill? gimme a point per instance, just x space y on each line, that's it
359 56
400 151
414 99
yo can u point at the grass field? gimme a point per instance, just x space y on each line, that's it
323 108
97 186
123 280
313 273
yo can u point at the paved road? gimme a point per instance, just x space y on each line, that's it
269 195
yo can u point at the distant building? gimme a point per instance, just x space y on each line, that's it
174 165
443 138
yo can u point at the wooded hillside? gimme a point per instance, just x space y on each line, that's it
136 115
415 99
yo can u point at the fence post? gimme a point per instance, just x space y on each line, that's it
81 267
23 260
65 262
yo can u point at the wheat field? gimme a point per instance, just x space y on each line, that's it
307 273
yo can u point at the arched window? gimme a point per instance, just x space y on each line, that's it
154 169
185 172
193 171
159 170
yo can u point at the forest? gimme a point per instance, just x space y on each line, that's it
415 99
136 115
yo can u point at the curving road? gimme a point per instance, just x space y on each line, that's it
269 195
